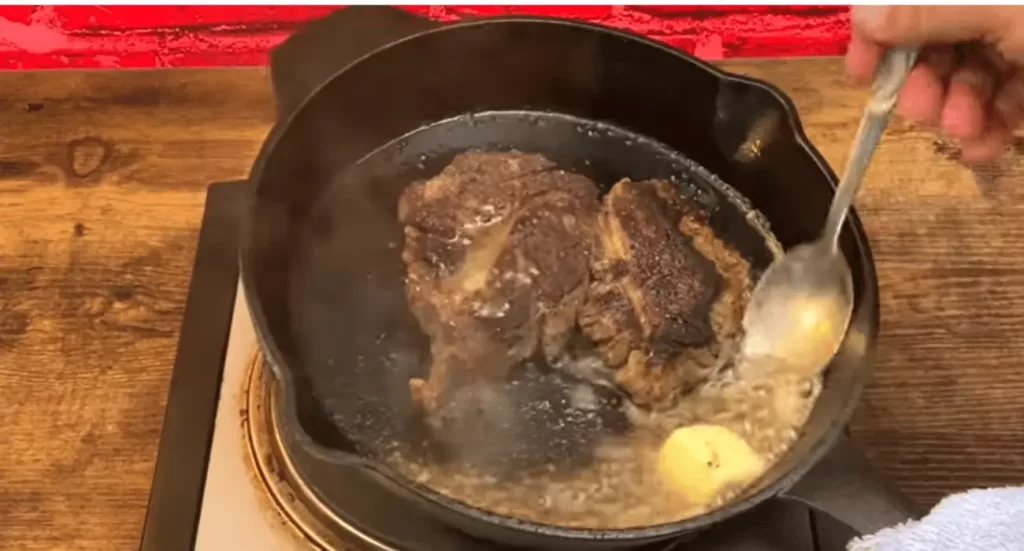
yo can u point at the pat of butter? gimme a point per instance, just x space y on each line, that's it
700 461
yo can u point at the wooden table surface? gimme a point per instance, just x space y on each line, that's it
102 178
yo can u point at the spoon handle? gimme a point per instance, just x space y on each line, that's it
889 77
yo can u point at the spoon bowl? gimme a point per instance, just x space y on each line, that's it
801 307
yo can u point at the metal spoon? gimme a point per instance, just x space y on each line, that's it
800 309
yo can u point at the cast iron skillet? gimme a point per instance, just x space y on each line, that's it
371 99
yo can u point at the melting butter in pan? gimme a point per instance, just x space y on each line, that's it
703 461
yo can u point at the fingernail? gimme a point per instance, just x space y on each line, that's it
869 17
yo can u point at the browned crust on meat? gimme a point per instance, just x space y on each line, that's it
655 308
497 252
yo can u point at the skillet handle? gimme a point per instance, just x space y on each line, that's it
844 486
324 47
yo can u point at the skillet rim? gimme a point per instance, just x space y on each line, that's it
817 448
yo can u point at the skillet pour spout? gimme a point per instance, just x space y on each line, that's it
372 99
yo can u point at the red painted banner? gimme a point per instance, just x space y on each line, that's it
38 37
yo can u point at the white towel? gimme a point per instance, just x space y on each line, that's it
977 520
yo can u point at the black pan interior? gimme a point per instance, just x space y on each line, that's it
356 339
321 261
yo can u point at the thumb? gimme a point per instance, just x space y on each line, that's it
899 25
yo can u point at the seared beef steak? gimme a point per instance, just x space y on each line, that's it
497 250
508 256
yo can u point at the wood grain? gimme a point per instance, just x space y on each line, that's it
102 176
102 179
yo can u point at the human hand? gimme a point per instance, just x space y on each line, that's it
969 81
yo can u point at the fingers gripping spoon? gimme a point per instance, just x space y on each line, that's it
800 308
